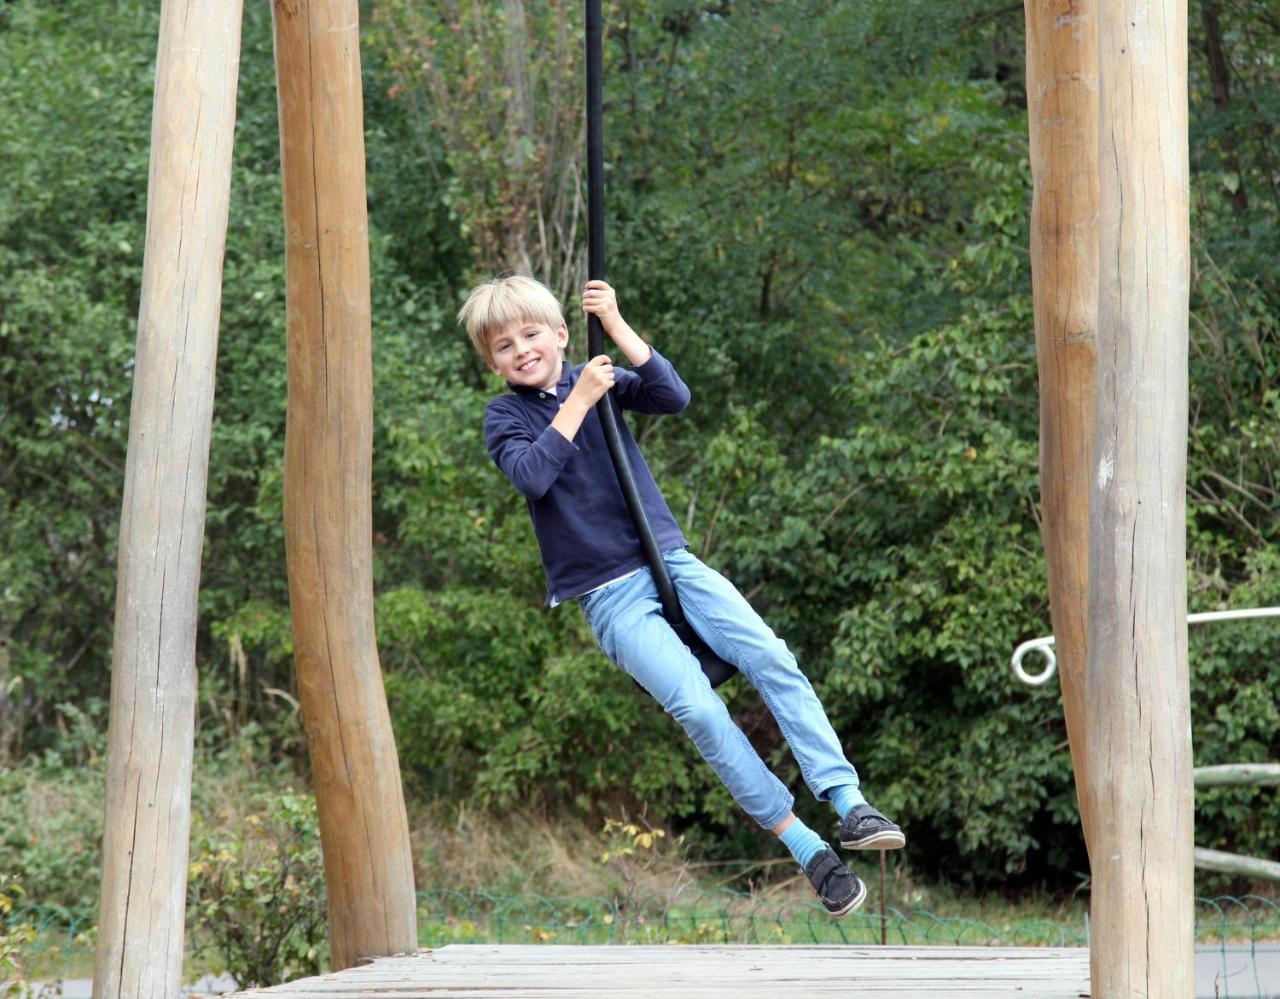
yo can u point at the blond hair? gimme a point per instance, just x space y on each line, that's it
493 304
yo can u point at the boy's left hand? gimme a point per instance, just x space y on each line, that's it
599 299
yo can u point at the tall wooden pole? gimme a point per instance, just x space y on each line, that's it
144 868
1062 117
328 463
1139 718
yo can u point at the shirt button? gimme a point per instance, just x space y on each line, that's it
542 395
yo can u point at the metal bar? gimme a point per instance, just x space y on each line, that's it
1044 643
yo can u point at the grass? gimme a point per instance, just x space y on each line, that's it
548 880
551 882
465 850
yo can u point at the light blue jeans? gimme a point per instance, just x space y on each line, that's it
626 619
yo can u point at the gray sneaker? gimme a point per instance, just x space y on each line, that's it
864 828
839 888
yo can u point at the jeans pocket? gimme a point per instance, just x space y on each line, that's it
591 597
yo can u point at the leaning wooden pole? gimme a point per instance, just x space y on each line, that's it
1062 118
328 460
148 808
1139 718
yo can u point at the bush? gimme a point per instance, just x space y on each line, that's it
1236 717
256 893
51 831
14 938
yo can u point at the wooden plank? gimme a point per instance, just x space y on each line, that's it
568 972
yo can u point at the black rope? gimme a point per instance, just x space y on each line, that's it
716 669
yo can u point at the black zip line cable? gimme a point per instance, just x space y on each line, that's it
715 668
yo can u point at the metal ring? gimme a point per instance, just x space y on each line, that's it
1045 647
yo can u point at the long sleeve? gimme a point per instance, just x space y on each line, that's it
532 464
653 387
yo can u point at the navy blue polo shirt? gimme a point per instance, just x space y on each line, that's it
579 514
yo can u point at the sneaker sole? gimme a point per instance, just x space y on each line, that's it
889 839
853 903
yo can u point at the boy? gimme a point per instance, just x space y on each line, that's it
547 439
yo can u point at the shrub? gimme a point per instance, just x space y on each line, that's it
256 894
51 830
14 937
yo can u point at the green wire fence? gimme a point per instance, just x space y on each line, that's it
728 917
703 917
1243 932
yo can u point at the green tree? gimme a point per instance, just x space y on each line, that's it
818 210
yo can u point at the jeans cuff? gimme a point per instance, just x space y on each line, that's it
776 817
823 793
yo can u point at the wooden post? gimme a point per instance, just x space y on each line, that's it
1062 117
148 809
1253 868
1139 718
1239 775
328 462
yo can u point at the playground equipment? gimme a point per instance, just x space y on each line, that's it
716 669
1044 644
1221 775
364 830
153 679
328 505
1117 126
1107 101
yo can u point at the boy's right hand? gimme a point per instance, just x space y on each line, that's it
595 380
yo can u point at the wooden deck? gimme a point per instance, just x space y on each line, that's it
677 972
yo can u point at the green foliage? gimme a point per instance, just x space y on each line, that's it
904 564
73 222
15 937
71 212
1236 714
818 210
793 192
51 831
257 894
500 88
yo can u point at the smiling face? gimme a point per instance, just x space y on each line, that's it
527 352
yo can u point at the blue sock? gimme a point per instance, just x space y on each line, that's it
845 797
802 841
